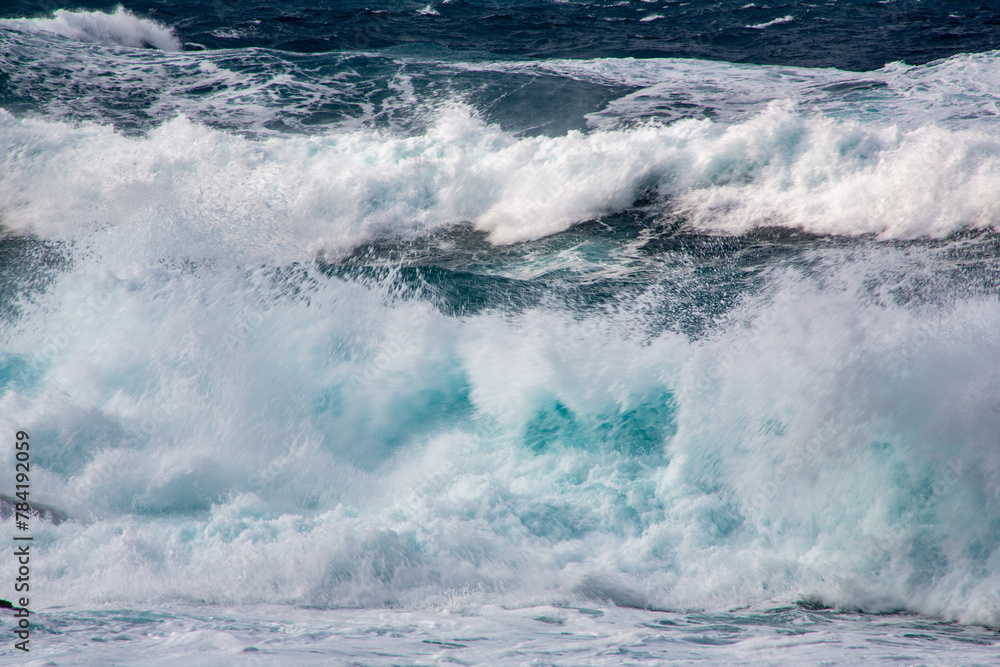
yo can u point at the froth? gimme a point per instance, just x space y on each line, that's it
293 194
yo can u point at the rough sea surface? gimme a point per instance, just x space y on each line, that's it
502 332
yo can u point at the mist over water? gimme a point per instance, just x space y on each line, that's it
437 337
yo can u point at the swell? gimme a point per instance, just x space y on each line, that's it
868 35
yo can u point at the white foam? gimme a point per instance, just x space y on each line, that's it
197 415
778 21
294 195
121 28
957 92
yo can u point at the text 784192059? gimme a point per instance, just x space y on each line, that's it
22 540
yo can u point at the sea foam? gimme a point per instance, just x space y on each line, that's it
293 194
824 440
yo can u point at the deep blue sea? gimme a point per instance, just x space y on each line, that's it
502 332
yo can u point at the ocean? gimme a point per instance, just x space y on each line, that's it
500 332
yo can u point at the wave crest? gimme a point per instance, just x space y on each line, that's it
780 168
121 28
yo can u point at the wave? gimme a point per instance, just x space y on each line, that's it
121 28
828 439
957 92
329 193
